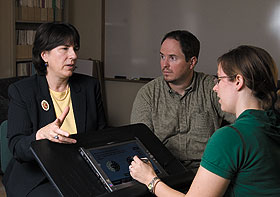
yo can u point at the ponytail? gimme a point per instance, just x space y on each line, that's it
277 103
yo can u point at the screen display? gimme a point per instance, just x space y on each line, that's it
115 159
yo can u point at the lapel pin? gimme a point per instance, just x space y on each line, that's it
45 105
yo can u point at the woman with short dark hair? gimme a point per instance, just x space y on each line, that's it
52 104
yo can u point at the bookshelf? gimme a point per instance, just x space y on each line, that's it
29 14
19 20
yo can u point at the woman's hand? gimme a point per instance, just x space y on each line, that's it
53 132
141 171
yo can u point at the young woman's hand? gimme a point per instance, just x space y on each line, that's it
141 171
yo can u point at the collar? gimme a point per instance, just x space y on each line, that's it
74 86
188 89
44 87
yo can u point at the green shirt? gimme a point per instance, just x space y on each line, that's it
183 123
248 156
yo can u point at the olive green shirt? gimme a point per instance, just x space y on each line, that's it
183 123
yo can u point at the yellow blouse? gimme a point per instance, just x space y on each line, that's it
60 101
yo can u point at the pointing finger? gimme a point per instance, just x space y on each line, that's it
59 121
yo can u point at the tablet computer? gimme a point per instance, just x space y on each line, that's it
111 162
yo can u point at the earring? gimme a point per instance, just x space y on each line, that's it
46 64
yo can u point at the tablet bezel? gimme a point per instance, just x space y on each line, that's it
95 166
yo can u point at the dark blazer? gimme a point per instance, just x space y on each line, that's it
26 116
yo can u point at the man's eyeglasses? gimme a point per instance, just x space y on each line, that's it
217 79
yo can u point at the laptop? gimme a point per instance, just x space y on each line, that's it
111 162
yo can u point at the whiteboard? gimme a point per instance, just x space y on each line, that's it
134 29
85 67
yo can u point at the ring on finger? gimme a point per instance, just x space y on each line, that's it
56 137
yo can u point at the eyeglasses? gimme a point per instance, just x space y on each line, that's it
217 79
